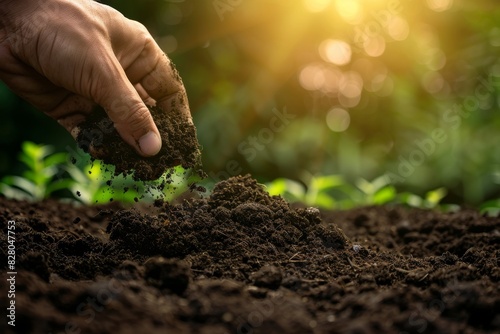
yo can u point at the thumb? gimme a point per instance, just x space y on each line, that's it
131 117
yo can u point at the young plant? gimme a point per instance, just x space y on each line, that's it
95 184
331 192
315 194
377 192
39 180
431 200
490 208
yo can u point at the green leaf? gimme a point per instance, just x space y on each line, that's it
380 182
56 159
324 201
491 211
24 184
365 186
276 187
433 197
58 185
37 151
77 174
327 182
11 192
295 189
411 199
384 195
28 160
37 178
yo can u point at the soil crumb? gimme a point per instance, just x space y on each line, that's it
241 261
99 137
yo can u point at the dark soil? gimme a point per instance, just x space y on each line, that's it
243 262
180 146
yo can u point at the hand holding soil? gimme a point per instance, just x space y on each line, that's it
64 57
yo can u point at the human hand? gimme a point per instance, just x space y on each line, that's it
65 56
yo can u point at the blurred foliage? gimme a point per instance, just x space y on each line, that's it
39 180
290 89
47 174
333 192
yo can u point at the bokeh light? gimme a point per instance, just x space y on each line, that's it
350 10
439 5
398 28
335 51
312 77
374 46
338 119
168 43
350 88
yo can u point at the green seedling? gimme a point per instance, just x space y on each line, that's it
315 194
431 200
376 192
332 192
95 184
490 208
39 180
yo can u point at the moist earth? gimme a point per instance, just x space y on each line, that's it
240 261
99 137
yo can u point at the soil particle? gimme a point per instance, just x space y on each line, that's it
268 277
241 261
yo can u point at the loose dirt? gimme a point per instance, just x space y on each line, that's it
180 146
241 261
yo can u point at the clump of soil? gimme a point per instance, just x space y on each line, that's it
180 146
242 261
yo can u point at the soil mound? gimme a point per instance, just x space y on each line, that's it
243 261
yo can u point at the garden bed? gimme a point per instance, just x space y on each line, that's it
240 261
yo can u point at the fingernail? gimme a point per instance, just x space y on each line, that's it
150 144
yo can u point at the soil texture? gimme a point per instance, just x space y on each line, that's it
240 261
99 137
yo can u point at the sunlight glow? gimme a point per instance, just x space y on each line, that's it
312 77
350 10
439 5
333 77
374 46
318 77
316 6
335 51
